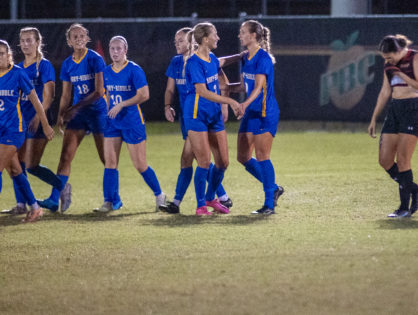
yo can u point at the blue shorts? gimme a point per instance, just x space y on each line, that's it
91 119
38 134
210 122
8 137
256 124
132 135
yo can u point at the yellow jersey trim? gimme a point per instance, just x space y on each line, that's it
25 66
140 114
82 57
11 66
196 106
251 57
263 106
204 59
123 67
19 114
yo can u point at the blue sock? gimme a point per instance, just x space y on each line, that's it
23 185
18 194
109 184
214 180
183 182
116 197
151 180
253 167
55 194
46 175
200 177
268 182
220 191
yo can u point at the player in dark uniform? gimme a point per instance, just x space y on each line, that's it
400 129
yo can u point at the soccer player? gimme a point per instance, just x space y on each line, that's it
42 75
203 116
126 88
177 80
13 82
259 123
83 70
400 128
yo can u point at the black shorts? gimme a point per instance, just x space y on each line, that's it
402 117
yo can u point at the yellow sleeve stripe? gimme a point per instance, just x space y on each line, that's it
196 105
140 114
19 114
263 110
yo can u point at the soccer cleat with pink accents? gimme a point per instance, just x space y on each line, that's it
217 206
203 211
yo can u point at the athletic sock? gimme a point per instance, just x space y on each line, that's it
394 172
18 194
109 184
224 197
215 176
24 187
268 182
116 196
151 180
55 194
183 182
220 191
252 166
46 175
200 177
405 188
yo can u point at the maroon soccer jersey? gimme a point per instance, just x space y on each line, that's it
406 65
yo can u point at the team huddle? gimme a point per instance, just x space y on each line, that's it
107 103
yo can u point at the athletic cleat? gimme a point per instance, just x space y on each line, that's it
16 210
117 206
264 211
33 216
65 197
217 206
203 211
105 208
400 213
172 208
227 203
277 193
414 203
48 204
160 202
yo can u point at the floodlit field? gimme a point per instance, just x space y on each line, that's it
329 249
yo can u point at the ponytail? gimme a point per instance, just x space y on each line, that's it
266 43
191 47
262 36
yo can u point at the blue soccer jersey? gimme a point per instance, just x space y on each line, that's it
199 70
175 71
122 85
260 63
81 73
39 76
12 84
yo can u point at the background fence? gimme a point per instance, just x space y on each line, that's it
327 68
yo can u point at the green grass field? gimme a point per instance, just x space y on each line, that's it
329 249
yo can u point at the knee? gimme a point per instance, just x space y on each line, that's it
186 160
385 163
